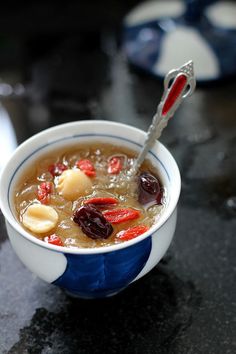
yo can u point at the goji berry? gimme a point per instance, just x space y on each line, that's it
87 167
132 232
56 169
53 240
117 216
44 191
115 165
102 202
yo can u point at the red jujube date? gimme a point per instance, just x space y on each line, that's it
92 222
148 188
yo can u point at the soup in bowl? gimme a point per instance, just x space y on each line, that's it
75 214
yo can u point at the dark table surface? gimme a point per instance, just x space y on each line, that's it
186 304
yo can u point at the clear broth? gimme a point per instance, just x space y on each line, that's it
104 185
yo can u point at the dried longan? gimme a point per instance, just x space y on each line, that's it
40 218
73 184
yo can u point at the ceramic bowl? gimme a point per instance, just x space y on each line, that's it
95 272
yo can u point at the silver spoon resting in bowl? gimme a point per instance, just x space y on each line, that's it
178 84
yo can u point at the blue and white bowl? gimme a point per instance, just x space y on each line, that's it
95 272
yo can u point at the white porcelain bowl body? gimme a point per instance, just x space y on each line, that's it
96 272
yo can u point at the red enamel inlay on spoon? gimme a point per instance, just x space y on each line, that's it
175 91
173 95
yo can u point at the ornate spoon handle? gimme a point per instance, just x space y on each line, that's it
178 84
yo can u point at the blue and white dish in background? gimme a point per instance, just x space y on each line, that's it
161 35
90 272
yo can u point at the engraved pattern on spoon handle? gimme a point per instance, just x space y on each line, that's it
183 85
149 141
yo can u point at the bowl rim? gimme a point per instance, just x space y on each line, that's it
96 250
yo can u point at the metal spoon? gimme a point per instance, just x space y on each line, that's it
178 84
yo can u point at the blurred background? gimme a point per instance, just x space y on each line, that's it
58 62
81 59
64 61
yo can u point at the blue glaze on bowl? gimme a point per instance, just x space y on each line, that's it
89 273
100 275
